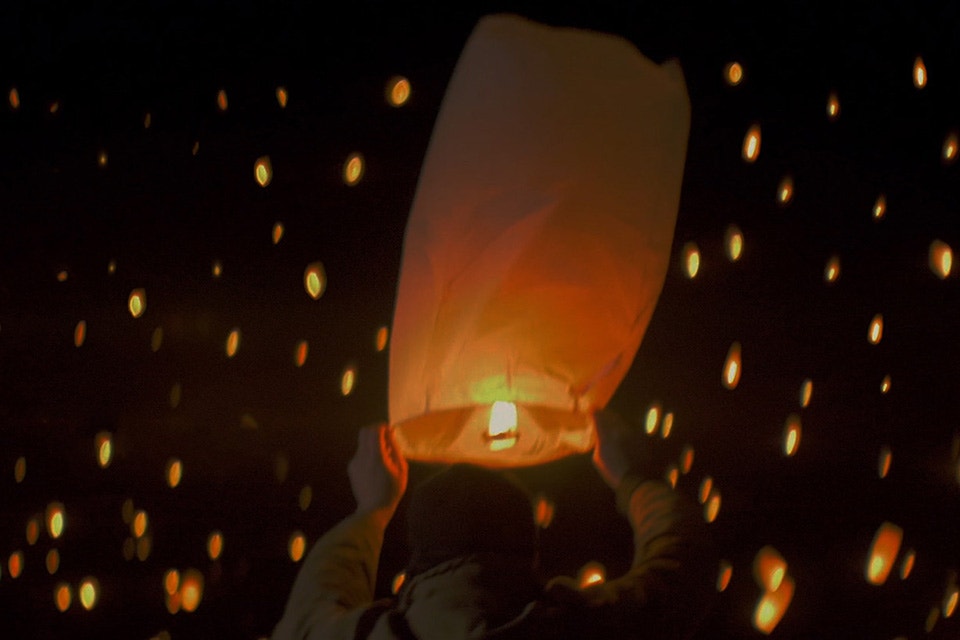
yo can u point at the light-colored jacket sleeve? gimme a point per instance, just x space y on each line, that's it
335 584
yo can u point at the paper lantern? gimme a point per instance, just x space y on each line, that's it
537 243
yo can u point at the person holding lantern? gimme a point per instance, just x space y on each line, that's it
472 573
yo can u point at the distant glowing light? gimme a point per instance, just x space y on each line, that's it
919 73
653 417
139 525
885 384
102 159
315 280
733 73
686 459
80 333
296 546
398 91
176 391
143 548
15 564
174 472
672 475
772 606
14 98
831 273
883 551
277 232
733 243
54 106
732 367
112 267
127 511
233 342
263 171
300 355
88 591
282 97
883 462
381 340
950 599
156 339
806 391
880 207
724 575
215 545
348 379
712 507
305 497
353 169
216 270
950 147
875 332
103 445
543 512
691 260
52 561
62 276
33 531
397 583
791 435
785 190
667 425
769 568
171 581
502 426
137 302
751 144
706 486
191 590
833 106
20 469
222 100
592 573
941 259
55 519
196 148
62 596
931 620
147 120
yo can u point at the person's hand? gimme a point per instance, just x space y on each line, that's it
610 455
378 473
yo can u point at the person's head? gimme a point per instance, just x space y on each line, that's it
466 510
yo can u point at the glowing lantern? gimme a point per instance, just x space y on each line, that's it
806 391
548 171
52 561
950 147
772 606
397 583
222 100
833 107
883 464
174 472
733 73
769 568
196 148
919 73
14 97
724 575
543 512
733 243
732 367
62 596
156 339
381 339
15 564
653 417
300 355
785 190
875 332
880 207
751 144
832 271
282 97
54 106
883 551
33 531
215 545
305 497
950 600
502 426
885 384
941 259
315 280
667 426
103 445
62 276
398 91
216 269
112 267
353 169
590 574
348 379
147 120
139 525
137 302
691 260
277 232
712 507
791 435
171 581
20 469
672 475
191 590
233 342
55 519
706 486
296 546
88 592
263 171
102 159
80 333
686 459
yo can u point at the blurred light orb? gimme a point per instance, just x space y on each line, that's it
296 546
305 497
883 551
791 435
139 525
732 367
147 120
672 475
772 606
102 159
875 333
20 469
919 73
88 591
112 267
233 342
222 100
751 144
686 459
282 97
651 420
806 392
733 73
950 147
348 380
724 575
80 333
315 280
712 507
52 561
397 583
191 590
885 384
263 171
950 600
880 207
137 302
216 270
144 546
171 581
55 519
353 168
300 353
543 512
785 190
62 596
691 260
884 461
940 259
398 91
590 574
103 445
62 276
831 272
196 148
706 486
33 531
215 545
277 232
14 98
15 564
769 568
733 243
833 107
381 339
174 472
667 426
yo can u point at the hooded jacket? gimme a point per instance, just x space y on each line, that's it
665 594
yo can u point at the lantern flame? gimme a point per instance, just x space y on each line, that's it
734 243
724 575
785 190
919 73
751 144
833 107
733 73
791 435
353 169
137 302
941 259
772 607
832 271
880 207
950 147
263 171
732 367
883 551
691 259
502 428
876 329
769 568
398 91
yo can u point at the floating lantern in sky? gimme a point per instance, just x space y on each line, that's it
732 367
831 272
62 596
769 568
233 342
222 100
791 435
398 91
380 341
940 258
833 106
33 531
282 97
751 143
950 147
137 302
488 309
885 384
667 425
102 159
215 545
590 574
315 280
80 333
55 519
62 275
733 243
112 267
353 169
724 575
88 591
14 98
296 546
15 564
651 420
919 73
191 590
216 269
806 391
138 526
711 509
277 232
52 561
300 354
733 73
883 462
883 551
785 190
348 379
880 207
950 600
263 171
875 332
174 472
691 260
103 445
772 606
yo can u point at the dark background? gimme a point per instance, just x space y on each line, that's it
254 429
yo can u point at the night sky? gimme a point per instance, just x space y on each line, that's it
85 184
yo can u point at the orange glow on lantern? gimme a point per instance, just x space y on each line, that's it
381 339
733 243
833 106
296 546
263 171
832 271
772 606
137 302
62 596
769 568
80 333
590 574
222 100
103 445
691 260
732 367
883 464
191 590
785 190
353 169
88 591
806 391
919 73
502 426
300 354
55 519
282 97
14 98
875 332
950 148
941 258
883 551
215 545
733 73
398 91
724 575
315 280
174 472
15 564
791 435
751 144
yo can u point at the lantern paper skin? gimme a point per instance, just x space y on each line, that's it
537 243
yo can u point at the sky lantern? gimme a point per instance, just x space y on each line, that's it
733 243
222 100
772 606
769 568
88 592
137 302
833 106
733 73
691 260
950 147
940 259
353 169
751 143
732 366
282 97
885 384
875 332
831 272
919 73
103 445
14 98
80 334
233 342
296 546
315 280
55 519
785 190
883 551
62 596
277 233
398 91
191 590
880 207
563 203
651 419
263 171
791 434
724 575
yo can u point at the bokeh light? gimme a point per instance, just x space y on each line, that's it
315 280
751 144
883 553
398 91
732 367
300 353
88 592
875 332
806 392
591 574
833 106
733 243
724 575
772 606
80 334
263 171
296 546
137 302
62 596
880 207
103 447
785 190
353 169
191 590
733 73
919 73
55 519
222 100
652 419
940 259
348 379
52 561
769 568
174 472
380 342
233 342
215 545
950 143
282 97
831 272
691 260
792 431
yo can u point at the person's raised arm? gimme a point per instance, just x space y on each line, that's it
336 582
